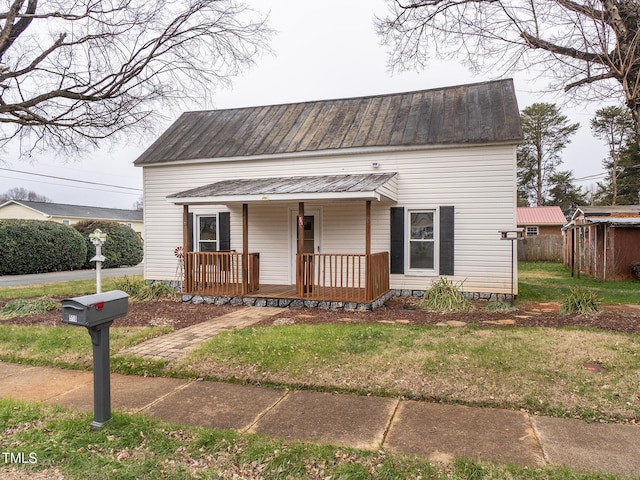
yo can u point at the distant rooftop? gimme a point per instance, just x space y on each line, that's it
81 211
540 216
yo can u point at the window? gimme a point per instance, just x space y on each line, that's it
421 240
207 233
66 222
532 231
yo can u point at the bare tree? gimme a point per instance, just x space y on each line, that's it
20 193
75 72
139 203
587 47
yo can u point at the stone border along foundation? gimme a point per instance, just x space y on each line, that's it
327 305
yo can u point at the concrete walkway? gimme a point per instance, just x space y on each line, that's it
436 432
176 344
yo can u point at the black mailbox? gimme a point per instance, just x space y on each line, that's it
97 312
94 310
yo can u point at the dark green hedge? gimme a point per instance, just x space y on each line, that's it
123 247
35 246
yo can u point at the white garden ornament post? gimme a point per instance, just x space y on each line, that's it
98 237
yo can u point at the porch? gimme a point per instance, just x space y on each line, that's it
358 278
333 277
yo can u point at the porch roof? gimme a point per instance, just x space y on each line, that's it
367 186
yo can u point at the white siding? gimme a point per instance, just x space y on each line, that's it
478 181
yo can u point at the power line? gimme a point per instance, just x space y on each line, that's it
72 180
93 189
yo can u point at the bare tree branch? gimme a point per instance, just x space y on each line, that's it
590 46
74 73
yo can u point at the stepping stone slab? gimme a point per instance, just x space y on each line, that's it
37 384
338 419
216 405
446 431
130 393
595 447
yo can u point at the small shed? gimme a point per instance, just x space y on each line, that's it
603 242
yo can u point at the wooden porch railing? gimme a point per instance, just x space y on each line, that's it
220 273
342 277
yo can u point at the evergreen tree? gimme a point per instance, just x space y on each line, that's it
564 193
546 133
628 182
614 125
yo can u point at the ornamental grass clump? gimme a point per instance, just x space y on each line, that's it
22 308
141 291
445 296
580 300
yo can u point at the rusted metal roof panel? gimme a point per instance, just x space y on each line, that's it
468 114
305 185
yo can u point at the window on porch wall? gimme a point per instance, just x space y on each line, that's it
207 240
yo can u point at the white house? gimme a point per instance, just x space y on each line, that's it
337 200
70 214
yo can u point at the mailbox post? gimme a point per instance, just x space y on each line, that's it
512 235
98 238
97 313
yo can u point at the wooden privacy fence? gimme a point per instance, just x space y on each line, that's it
342 277
220 273
542 248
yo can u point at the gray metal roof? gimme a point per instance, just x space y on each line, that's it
609 210
616 221
369 185
81 211
468 114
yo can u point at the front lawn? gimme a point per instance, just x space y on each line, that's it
551 282
542 370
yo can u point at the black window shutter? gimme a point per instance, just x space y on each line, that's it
224 229
397 240
446 240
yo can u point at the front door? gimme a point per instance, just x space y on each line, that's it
311 237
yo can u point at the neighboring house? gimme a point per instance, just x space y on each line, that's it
542 229
603 242
337 200
70 214
537 221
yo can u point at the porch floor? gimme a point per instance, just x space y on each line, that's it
275 291
332 294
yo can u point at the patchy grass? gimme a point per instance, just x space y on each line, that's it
138 447
537 369
72 288
540 370
64 346
549 282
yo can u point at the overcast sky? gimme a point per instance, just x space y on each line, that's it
321 50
